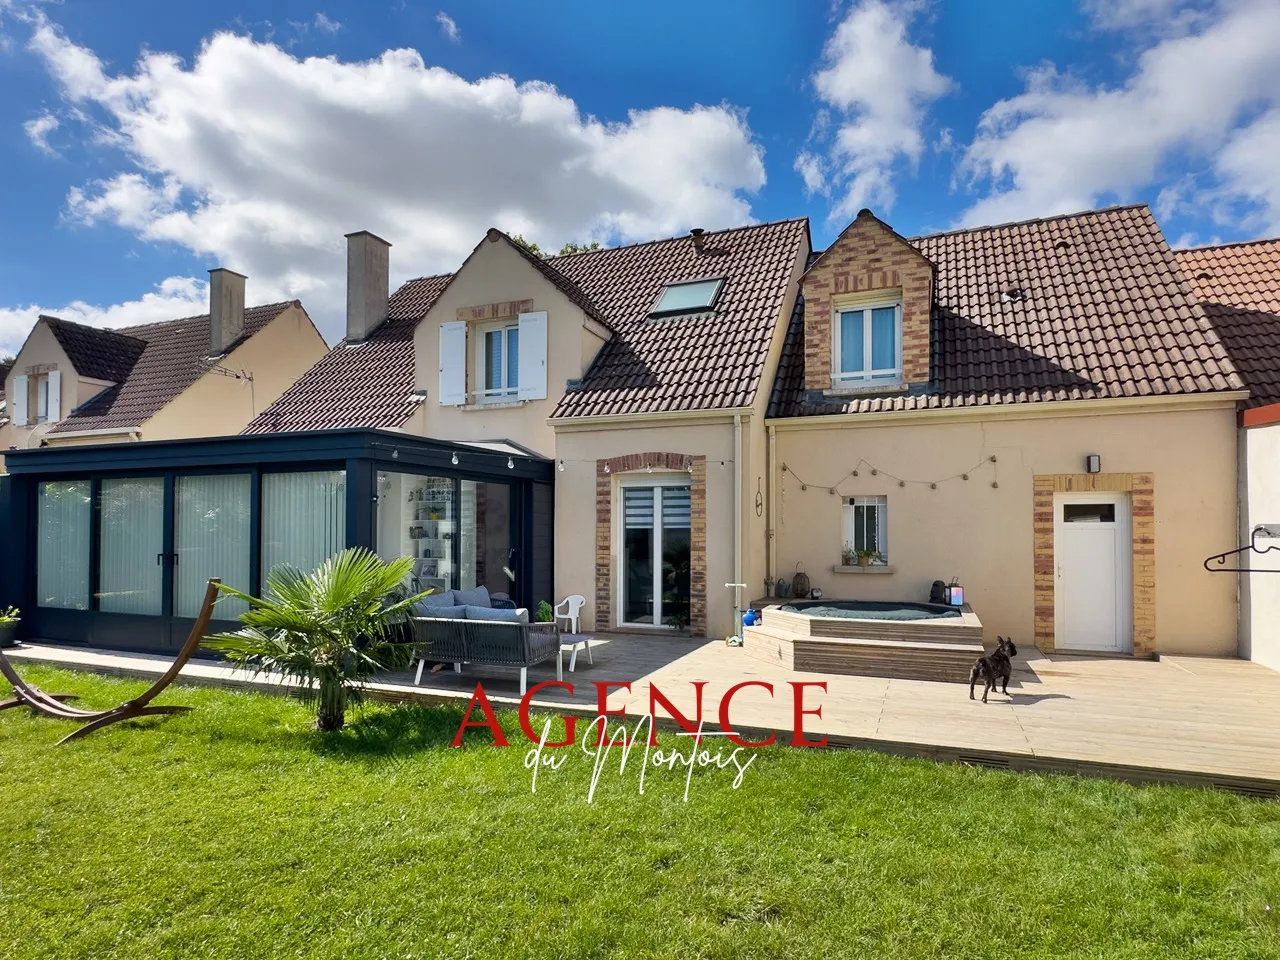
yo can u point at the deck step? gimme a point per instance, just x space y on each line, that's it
947 662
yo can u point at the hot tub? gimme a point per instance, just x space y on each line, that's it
872 609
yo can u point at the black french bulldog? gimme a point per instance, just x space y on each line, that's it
994 669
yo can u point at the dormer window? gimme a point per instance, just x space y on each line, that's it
693 296
867 345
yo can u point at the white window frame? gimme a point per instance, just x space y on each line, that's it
503 394
41 383
889 376
881 503
653 480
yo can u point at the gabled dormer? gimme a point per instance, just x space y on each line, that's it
868 299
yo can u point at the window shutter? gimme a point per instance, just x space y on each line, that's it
19 401
533 356
55 396
453 363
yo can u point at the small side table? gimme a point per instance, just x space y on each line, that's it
574 641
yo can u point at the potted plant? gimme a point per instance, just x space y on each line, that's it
9 627
544 613
330 629
848 556
868 557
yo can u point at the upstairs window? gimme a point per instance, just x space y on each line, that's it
499 361
867 345
691 297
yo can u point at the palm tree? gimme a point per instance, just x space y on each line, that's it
330 629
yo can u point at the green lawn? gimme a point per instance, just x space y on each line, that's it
235 831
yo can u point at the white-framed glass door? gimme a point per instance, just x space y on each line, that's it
656 538
1093 592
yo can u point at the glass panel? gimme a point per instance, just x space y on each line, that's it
211 539
131 546
486 559
493 360
416 519
676 541
851 352
687 296
513 357
304 518
63 516
42 399
637 554
884 335
1089 513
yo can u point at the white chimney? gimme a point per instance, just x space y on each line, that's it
368 283
226 309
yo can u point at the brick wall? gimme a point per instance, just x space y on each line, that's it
1141 488
867 257
696 467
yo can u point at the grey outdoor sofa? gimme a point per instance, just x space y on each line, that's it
496 642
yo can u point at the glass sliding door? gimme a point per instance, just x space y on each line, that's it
656 541
485 557
64 516
210 539
417 518
131 546
304 518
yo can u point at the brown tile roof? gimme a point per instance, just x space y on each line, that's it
171 360
96 353
365 385
703 361
1106 314
1239 288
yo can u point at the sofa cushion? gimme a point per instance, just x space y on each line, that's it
447 613
442 599
489 613
479 597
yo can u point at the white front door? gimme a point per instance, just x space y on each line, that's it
1092 594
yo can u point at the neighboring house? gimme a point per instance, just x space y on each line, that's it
5 367
1039 409
1238 285
195 377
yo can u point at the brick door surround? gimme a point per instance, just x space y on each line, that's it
1141 490
606 562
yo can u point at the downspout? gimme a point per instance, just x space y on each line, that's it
737 584
771 519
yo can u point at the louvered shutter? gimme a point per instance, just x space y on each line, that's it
55 396
18 402
453 363
533 356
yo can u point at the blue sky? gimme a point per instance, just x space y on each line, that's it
143 142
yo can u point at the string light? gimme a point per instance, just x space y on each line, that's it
834 489
455 459
511 464
561 466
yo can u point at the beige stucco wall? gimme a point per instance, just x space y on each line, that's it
983 534
576 514
214 406
1260 504
496 273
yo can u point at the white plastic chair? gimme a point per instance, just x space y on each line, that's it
569 609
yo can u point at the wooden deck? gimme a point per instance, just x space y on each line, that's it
1213 722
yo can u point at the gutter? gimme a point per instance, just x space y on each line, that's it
770 533
622 420
1040 410
737 585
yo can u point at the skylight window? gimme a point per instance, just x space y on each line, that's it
690 297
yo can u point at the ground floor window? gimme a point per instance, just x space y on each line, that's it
210 539
304 518
64 516
486 558
131 564
417 517
866 529
656 555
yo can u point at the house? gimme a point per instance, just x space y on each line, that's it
1238 286
1041 410
1038 409
195 377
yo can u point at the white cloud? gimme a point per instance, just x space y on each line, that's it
38 129
260 161
172 298
449 27
324 24
1066 145
880 85
1163 16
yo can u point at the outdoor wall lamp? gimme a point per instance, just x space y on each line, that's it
1093 463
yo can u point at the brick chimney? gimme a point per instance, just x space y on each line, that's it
226 310
368 283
